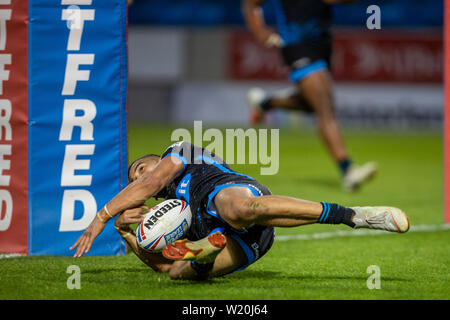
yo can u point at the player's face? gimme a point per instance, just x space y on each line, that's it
141 167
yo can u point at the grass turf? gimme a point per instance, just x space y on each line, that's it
412 265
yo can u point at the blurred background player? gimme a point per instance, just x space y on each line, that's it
304 39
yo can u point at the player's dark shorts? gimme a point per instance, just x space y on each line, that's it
255 241
306 58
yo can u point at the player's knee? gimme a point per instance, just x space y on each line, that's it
243 211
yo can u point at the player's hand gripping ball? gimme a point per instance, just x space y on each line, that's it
165 223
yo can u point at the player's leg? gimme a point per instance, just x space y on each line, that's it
316 88
223 260
289 99
314 93
237 206
227 260
241 209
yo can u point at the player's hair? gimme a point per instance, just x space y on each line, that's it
143 157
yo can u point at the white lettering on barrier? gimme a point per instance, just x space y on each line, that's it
75 18
4 74
5 221
71 120
6 201
5 117
70 197
5 15
71 163
5 149
73 74
76 2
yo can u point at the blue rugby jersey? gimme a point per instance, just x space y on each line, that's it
203 176
301 21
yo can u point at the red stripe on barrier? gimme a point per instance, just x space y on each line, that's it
14 129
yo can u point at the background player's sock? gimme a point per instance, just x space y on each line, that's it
266 104
344 165
333 213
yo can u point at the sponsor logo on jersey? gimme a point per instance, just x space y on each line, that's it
182 191
255 247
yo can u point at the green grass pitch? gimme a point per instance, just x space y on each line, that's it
415 265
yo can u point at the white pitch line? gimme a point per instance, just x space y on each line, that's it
10 255
325 235
358 233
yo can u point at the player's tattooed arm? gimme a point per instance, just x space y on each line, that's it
146 186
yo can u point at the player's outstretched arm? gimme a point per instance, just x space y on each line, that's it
254 19
133 196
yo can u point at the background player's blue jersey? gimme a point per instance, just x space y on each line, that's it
302 20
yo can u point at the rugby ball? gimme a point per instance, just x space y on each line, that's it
165 223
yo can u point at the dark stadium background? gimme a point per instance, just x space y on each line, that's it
189 60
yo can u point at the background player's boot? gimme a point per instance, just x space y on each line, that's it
381 218
255 98
357 175
202 251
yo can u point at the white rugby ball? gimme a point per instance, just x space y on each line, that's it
165 223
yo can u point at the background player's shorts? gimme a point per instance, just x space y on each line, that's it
254 241
306 58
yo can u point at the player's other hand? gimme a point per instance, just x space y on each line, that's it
131 216
269 38
84 243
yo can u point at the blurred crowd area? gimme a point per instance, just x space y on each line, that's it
396 13
192 60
